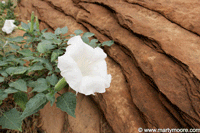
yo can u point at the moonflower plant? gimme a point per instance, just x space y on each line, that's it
84 68
9 26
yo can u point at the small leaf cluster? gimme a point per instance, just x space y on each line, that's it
28 65
93 42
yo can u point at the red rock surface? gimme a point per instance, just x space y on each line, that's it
154 62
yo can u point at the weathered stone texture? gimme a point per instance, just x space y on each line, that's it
154 62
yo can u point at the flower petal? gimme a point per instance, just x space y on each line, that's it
90 85
70 71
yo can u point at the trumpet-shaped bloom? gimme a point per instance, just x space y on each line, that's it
9 26
3 2
84 68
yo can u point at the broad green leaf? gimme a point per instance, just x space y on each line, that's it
88 34
108 43
40 85
10 90
16 39
51 97
31 83
58 31
67 102
21 99
93 43
3 63
29 58
24 26
45 45
1 79
78 32
48 65
64 30
45 62
11 120
36 67
3 73
1 102
19 84
16 70
52 79
26 52
55 54
16 60
14 46
49 35
3 95
34 105
57 41
86 40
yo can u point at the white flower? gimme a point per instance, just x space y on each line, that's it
3 2
84 68
8 26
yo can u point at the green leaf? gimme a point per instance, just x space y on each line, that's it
11 120
14 46
64 30
19 84
24 26
3 63
88 34
45 62
15 59
40 85
45 45
3 73
29 58
26 52
57 41
93 43
49 35
16 70
10 90
86 40
78 32
21 99
1 102
55 54
58 31
34 105
52 79
31 83
16 39
108 43
51 97
1 79
67 102
36 67
3 95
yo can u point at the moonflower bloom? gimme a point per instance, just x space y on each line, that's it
84 68
9 26
3 2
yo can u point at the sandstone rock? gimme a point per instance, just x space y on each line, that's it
154 61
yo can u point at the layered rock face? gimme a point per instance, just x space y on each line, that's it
154 63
